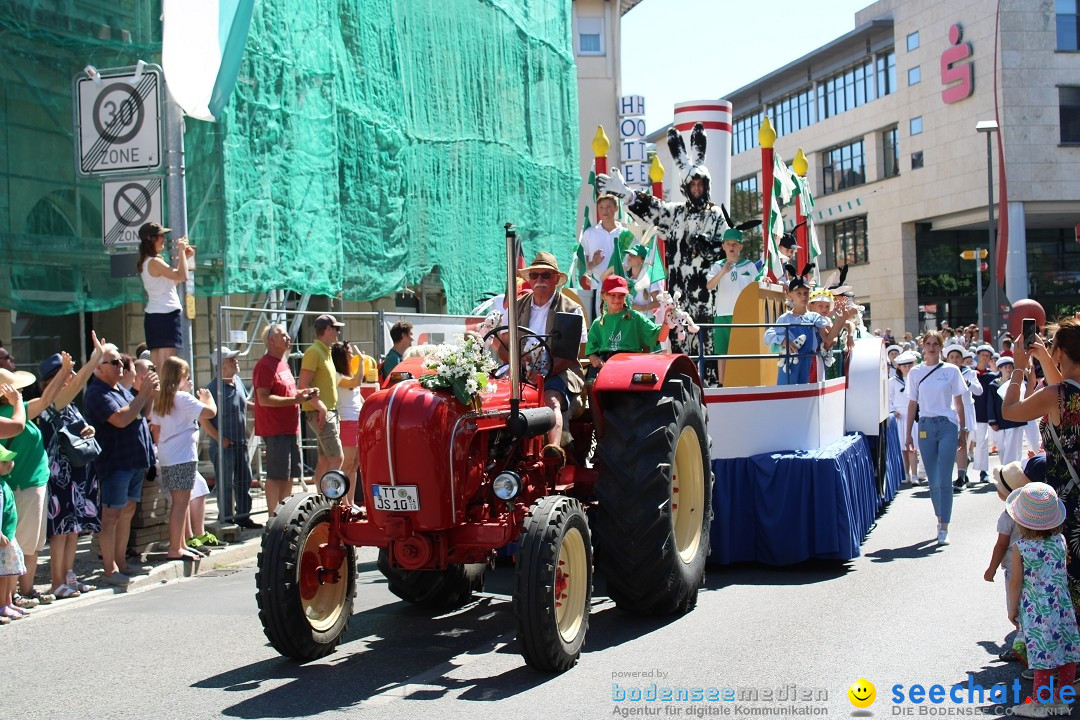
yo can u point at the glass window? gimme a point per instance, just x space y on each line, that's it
913 41
845 242
916 160
744 133
745 199
886 73
842 167
792 112
915 125
847 90
890 146
591 36
1069 111
914 75
1068 29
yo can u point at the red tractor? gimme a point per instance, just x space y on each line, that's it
447 484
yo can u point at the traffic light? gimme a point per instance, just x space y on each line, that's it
970 254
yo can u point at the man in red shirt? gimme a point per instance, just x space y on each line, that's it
277 415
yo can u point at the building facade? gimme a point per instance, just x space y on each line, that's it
886 115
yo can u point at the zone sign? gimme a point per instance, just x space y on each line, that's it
126 205
118 125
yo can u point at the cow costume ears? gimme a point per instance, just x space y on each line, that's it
677 146
798 281
836 281
678 150
741 227
697 144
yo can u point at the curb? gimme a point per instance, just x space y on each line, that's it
235 552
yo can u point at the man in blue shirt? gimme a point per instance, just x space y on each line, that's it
127 451
235 470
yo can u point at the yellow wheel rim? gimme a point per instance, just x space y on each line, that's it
322 603
571 585
687 494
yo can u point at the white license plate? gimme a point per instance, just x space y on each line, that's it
396 498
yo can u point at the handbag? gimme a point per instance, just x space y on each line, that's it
78 450
1068 463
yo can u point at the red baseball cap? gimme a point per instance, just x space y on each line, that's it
615 285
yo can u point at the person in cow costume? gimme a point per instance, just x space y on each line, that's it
692 230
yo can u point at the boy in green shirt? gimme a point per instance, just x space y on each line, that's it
619 328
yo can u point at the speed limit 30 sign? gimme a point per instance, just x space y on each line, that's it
118 123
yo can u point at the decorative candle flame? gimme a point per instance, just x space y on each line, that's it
600 142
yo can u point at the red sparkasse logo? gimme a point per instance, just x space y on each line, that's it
952 72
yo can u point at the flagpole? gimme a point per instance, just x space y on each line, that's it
656 174
799 165
766 139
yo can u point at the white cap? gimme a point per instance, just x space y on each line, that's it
905 358
223 353
1005 360
897 348
985 348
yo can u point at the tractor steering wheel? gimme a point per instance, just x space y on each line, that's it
525 333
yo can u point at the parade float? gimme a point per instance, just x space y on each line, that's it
803 470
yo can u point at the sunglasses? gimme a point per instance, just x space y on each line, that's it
115 363
541 275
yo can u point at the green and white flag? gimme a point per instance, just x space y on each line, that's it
802 189
579 252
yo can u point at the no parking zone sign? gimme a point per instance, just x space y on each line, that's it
125 206
118 120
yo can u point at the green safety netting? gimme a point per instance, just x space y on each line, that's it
367 142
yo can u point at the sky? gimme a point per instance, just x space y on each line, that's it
725 46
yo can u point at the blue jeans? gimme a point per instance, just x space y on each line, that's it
937 443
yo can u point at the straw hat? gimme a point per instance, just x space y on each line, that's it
1036 506
1009 478
543 261
18 379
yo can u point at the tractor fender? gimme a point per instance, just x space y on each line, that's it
618 372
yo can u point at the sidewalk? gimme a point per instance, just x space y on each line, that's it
242 545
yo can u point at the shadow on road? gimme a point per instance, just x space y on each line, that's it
805 573
396 650
923 548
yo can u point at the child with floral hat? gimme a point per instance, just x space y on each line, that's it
1039 596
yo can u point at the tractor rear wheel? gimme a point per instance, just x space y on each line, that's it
447 588
553 585
655 497
303 615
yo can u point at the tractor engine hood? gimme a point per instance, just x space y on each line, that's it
414 437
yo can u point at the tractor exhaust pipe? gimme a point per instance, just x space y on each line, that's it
512 253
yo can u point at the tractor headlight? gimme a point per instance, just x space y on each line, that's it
334 484
507 485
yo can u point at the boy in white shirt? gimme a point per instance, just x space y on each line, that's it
728 278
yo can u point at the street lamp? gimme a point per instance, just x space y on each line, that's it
990 127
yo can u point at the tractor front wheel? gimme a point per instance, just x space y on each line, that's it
304 612
553 587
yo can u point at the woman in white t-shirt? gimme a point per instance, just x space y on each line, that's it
161 321
348 409
937 390
174 421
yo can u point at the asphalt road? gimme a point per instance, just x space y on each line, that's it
905 612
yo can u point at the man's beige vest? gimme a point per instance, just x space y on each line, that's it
575 380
